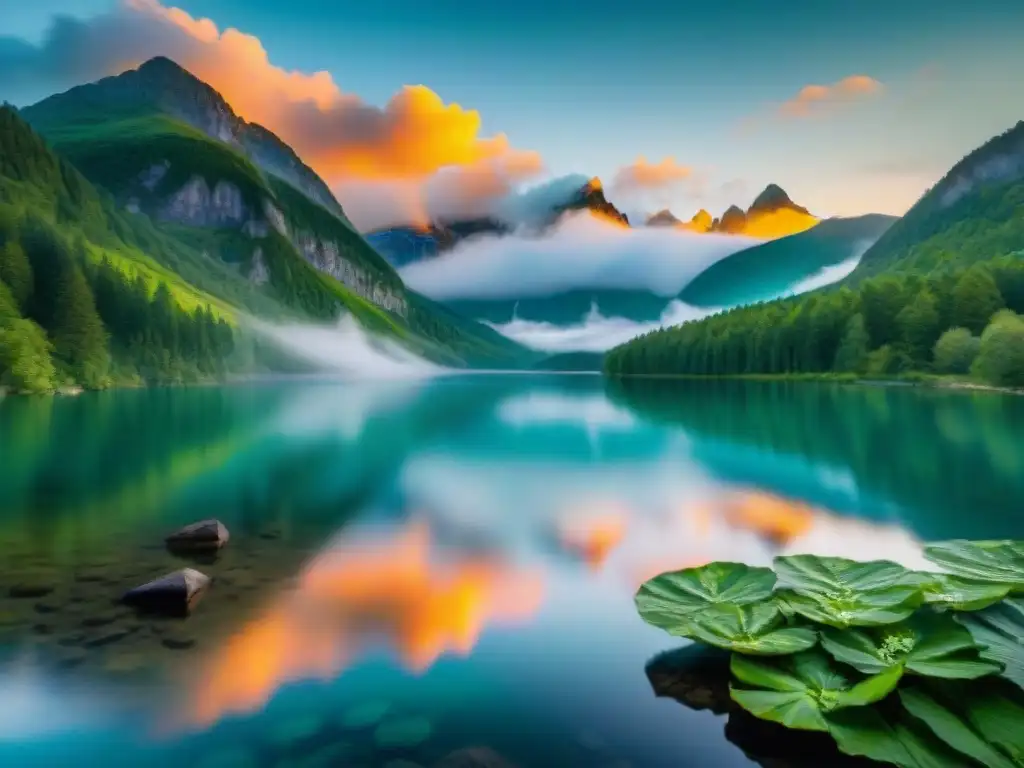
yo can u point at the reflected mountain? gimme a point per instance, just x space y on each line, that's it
698 678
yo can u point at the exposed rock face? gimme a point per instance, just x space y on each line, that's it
1000 160
591 197
258 271
197 205
153 175
325 256
175 594
204 536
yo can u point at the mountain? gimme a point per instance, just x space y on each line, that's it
973 213
940 291
590 197
149 176
663 218
701 221
406 244
772 214
768 270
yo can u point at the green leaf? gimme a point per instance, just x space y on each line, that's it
798 691
934 645
868 609
753 629
892 738
967 719
666 600
999 633
1001 562
846 593
942 590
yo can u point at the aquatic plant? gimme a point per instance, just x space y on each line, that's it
904 667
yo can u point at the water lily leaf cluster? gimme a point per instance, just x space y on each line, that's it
905 667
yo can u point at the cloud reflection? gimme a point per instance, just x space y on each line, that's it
391 588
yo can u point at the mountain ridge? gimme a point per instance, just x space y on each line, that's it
772 214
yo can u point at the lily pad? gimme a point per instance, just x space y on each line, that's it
667 599
976 722
954 593
999 633
847 593
891 737
1001 562
934 645
798 691
752 629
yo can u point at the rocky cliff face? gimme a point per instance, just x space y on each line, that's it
196 205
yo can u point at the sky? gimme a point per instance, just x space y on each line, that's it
851 107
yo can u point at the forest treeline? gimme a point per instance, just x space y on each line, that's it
954 322
68 321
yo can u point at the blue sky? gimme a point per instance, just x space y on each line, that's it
592 85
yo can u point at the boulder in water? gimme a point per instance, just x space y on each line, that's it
175 594
204 536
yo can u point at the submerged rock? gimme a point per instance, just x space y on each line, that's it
175 594
204 536
474 757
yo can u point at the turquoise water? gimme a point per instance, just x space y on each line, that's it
419 567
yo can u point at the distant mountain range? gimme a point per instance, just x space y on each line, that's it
772 214
406 244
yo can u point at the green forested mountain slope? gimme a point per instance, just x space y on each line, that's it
975 212
770 269
213 204
940 291
95 295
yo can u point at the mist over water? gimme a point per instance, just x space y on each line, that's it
347 348
582 252
594 332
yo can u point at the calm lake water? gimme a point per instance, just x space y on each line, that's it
416 568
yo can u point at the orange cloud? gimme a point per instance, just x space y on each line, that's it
642 175
393 590
415 134
811 99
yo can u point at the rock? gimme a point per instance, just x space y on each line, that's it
403 732
204 536
30 590
365 715
474 757
175 594
178 643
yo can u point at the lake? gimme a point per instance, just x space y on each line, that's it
421 567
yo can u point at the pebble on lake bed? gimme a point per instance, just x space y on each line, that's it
175 594
204 536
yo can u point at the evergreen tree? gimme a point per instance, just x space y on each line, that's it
25 364
976 298
919 327
79 339
16 271
881 300
851 357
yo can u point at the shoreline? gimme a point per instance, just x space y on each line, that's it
927 381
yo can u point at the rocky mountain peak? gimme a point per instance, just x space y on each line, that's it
774 198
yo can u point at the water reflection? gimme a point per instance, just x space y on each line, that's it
467 545
382 588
